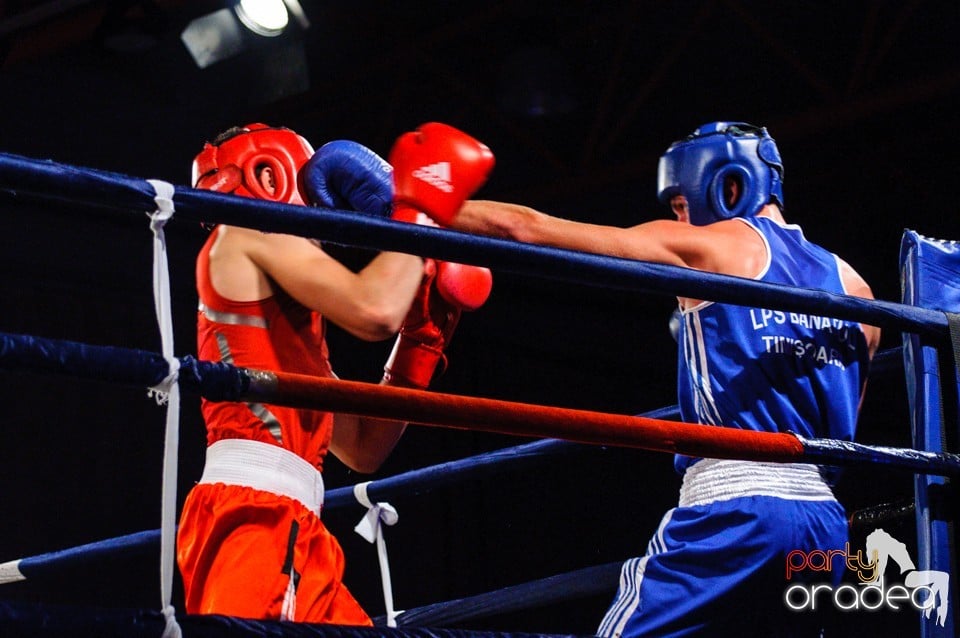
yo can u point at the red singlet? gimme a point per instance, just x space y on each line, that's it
248 551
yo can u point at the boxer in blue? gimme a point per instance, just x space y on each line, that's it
715 566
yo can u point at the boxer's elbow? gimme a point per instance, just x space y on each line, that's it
525 224
496 219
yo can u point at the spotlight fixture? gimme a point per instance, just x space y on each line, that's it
246 25
264 17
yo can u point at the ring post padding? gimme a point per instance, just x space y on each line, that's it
930 272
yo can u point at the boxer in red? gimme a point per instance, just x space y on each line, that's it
251 542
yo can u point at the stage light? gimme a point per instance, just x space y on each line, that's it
263 17
233 30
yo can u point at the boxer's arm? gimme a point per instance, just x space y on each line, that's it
447 290
855 285
370 304
438 168
364 443
526 224
729 247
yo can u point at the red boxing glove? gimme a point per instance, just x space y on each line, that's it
435 169
466 287
446 290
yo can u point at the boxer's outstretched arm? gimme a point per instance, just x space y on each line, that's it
662 241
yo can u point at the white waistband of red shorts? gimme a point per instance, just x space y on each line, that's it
264 467
711 480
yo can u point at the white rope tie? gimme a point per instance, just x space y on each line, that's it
10 572
371 529
167 391
170 629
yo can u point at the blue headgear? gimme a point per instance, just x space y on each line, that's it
700 166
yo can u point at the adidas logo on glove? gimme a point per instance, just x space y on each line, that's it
437 175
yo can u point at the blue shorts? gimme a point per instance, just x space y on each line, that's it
719 569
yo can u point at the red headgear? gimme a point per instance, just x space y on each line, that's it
234 165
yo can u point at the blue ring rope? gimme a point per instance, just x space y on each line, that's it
53 182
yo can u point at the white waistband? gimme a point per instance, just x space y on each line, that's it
264 467
711 480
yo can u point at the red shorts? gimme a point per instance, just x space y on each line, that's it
252 554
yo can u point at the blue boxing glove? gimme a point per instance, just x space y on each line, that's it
344 174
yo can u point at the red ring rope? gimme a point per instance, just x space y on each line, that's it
521 419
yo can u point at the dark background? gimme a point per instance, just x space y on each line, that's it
577 102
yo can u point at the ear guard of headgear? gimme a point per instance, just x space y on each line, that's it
234 165
703 165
